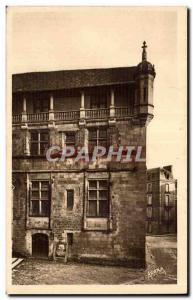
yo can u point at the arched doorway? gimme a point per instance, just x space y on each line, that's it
40 245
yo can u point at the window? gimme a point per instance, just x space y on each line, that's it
167 199
39 142
70 199
167 215
148 177
70 138
97 137
145 94
69 238
149 212
39 199
149 199
41 105
149 227
149 187
167 188
98 198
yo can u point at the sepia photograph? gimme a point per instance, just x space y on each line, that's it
96 150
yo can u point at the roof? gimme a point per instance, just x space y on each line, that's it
68 79
167 169
153 169
145 67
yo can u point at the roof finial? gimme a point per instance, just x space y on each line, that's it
144 53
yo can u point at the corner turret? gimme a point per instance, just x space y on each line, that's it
144 76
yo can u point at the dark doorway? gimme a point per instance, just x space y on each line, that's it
40 245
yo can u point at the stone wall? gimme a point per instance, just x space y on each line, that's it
123 240
19 186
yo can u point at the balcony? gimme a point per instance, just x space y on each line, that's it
38 117
122 111
66 115
16 119
103 113
97 113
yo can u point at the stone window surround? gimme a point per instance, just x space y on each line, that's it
39 141
149 187
64 133
97 200
39 198
69 205
149 212
167 200
149 199
97 223
97 140
167 188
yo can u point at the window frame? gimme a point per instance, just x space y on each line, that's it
69 143
98 138
145 94
167 188
167 215
149 177
149 197
39 199
167 202
149 212
39 141
98 200
149 227
149 187
71 207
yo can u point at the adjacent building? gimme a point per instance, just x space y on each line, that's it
161 201
81 211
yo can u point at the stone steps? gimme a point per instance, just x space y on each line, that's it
16 262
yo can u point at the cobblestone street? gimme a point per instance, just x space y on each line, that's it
161 257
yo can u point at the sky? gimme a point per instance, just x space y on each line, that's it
46 39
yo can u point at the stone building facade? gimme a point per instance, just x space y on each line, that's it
82 211
161 201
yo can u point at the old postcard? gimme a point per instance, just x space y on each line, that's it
96 150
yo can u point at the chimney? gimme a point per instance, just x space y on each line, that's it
168 168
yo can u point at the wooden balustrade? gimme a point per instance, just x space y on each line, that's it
67 115
72 115
16 118
38 117
96 113
122 111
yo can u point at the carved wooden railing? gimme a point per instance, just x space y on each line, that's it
122 111
71 115
16 118
96 113
66 115
38 117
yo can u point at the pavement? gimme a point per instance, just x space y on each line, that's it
161 259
